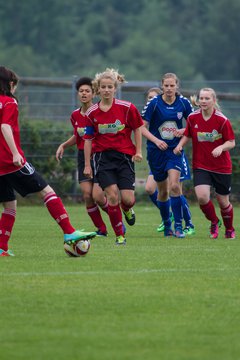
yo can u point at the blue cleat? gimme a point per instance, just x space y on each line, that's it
100 233
179 232
168 231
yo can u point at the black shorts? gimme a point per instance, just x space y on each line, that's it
24 181
112 167
220 182
81 165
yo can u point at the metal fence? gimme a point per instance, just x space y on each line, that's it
55 99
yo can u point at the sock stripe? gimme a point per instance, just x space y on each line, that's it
92 209
11 212
50 196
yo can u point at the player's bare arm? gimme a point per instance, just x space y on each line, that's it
8 136
60 151
87 157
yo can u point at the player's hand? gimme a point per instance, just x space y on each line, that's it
137 157
217 151
161 145
88 172
18 160
59 152
178 150
178 132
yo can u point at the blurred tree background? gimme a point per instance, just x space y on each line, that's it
143 39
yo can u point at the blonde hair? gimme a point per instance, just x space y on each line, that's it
195 102
107 74
171 76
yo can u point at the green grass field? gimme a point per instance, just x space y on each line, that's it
156 298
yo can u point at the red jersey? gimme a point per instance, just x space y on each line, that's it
79 124
206 136
9 115
112 129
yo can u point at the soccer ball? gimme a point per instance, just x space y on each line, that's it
77 249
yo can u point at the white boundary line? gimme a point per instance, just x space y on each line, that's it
105 272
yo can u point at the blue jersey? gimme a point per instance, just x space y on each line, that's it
163 119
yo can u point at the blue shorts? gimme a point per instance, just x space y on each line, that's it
162 161
185 173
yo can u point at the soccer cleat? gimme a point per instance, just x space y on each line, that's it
130 216
78 235
179 232
161 227
10 253
230 234
120 240
3 253
6 253
102 233
189 230
168 231
214 228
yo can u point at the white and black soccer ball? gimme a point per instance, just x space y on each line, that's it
77 249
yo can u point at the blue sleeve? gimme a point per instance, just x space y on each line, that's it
188 108
149 109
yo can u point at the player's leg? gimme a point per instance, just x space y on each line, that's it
87 188
100 197
186 175
115 213
202 186
92 207
125 175
189 228
107 164
58 212
176 202
151 189
164 205
226 209
6 225
222 184
8 216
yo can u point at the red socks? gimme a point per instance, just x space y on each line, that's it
115 216
58 212
95 215
209 211
227 216
6 225
105 207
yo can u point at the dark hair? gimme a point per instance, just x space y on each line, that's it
83 81
6 77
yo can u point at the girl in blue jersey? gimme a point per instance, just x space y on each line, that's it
164 117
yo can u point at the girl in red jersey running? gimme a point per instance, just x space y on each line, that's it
92 192
212 138
110 123
16 174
